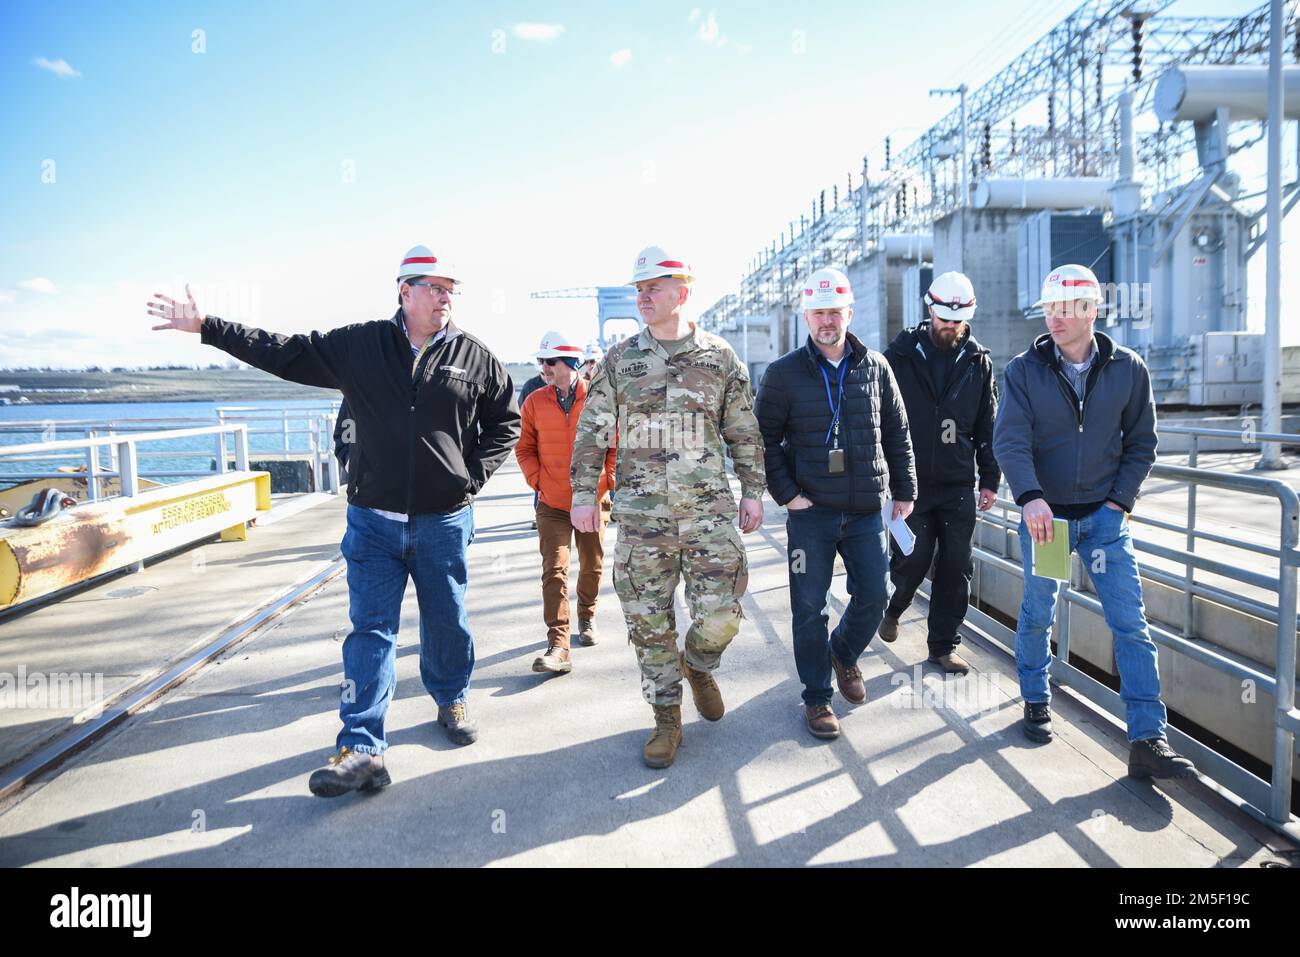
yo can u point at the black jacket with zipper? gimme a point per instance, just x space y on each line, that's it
966 410
794 414
1054 446
426 438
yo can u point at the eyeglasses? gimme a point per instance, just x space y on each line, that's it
551 362
437 289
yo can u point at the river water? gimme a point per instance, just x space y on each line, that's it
23 424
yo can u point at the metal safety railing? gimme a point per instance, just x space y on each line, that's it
1268 800
1191 588
1246 436
125 458
314 426
318 427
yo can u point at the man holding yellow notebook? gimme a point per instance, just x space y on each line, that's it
1075 437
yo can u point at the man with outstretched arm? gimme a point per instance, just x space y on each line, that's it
433 416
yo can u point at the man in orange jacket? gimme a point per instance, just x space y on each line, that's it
550 421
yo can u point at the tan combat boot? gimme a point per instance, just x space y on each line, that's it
662 746
952 663
705 691
586 632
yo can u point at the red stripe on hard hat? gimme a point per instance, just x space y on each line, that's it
1077 282
565 349
419 259
841 289
672 263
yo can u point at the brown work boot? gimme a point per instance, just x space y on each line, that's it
586 632
821 721
888 630
662 746
952 663
849 680
555 660
708 698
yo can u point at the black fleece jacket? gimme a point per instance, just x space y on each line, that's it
428 436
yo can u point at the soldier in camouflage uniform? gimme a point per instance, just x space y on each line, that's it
678 400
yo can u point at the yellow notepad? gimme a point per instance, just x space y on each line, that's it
1052 559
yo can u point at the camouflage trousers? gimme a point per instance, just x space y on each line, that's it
650 555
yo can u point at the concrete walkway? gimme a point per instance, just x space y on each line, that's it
131 627
926 773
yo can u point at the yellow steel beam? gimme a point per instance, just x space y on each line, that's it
94 538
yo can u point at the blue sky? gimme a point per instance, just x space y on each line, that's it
284 157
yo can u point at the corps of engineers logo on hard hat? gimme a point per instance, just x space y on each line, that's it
827 288
1070 282
655 262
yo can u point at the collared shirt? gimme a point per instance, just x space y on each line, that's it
566 398
1077 372
432 341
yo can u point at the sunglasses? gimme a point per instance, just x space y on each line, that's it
551 362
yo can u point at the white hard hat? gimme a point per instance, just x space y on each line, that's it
952 297
556 346
592 353
827 288
654 262
420 261
1068 283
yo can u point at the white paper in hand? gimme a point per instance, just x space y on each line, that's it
899 529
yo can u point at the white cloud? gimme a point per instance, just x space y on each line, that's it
709 31
542 32
59 68
39 284
6 296
696 13
620 57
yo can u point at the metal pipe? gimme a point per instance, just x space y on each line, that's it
112 440
92 472
1271 456
130 485
1285 437
1193 93
1284 695
1160 636
1208 565
965 159
1189 600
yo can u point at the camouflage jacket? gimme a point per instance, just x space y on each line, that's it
671 418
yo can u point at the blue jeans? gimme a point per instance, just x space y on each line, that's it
381 554
813 537
1106 550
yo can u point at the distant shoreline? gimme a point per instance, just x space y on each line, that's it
59 387
66 387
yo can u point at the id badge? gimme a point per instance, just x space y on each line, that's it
835 461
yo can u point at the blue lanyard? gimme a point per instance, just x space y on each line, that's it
835 404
